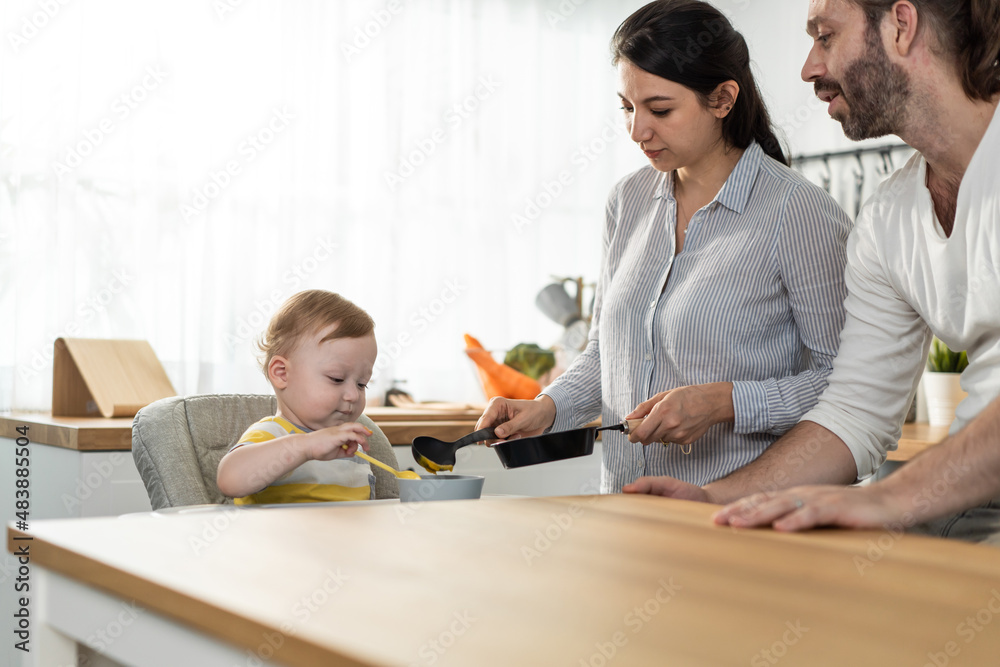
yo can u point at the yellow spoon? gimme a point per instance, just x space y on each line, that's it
402 474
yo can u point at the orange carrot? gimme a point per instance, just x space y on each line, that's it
499 379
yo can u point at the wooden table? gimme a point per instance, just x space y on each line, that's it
592 581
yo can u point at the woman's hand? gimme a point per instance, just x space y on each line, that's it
684 414
518 418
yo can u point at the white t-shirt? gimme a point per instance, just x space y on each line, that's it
905 281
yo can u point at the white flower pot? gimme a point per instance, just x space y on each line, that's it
944 393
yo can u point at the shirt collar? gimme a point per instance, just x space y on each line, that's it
736 190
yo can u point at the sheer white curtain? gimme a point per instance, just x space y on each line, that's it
174 170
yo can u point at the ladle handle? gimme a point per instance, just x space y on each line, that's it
477 436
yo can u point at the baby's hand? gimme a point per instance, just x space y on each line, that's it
337 442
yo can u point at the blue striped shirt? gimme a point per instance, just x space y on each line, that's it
756 298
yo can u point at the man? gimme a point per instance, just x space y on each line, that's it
924 258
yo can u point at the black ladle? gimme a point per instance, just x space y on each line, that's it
435 455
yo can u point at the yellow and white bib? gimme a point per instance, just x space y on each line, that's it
313 481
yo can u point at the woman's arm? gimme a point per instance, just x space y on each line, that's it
811 255
577 392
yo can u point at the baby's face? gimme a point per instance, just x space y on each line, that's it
326 381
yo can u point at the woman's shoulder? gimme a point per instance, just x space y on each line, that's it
646 179
782 177
782 183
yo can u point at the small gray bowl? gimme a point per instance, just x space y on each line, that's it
440 487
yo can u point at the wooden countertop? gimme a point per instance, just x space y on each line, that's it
540 581
399 425
81 433
916 438
103 434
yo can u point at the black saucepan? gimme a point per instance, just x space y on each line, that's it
554 446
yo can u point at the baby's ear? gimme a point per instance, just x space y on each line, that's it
277 372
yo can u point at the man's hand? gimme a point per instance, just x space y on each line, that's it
806 507
668 487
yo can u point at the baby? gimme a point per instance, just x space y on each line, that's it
319 351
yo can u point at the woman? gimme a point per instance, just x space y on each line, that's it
720 298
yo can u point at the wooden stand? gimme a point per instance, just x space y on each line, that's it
111 378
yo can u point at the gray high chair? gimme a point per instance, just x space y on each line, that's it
177 444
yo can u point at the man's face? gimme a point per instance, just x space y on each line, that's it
850 69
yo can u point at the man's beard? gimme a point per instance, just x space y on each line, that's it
875 90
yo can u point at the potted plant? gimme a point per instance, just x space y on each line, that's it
941 383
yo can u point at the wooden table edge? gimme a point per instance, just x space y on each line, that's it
238 631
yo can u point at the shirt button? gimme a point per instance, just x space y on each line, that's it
652 304
649 357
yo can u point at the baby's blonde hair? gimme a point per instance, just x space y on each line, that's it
307 312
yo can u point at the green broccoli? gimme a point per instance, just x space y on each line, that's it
530 359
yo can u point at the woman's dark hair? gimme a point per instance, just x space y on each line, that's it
694 44
968 31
